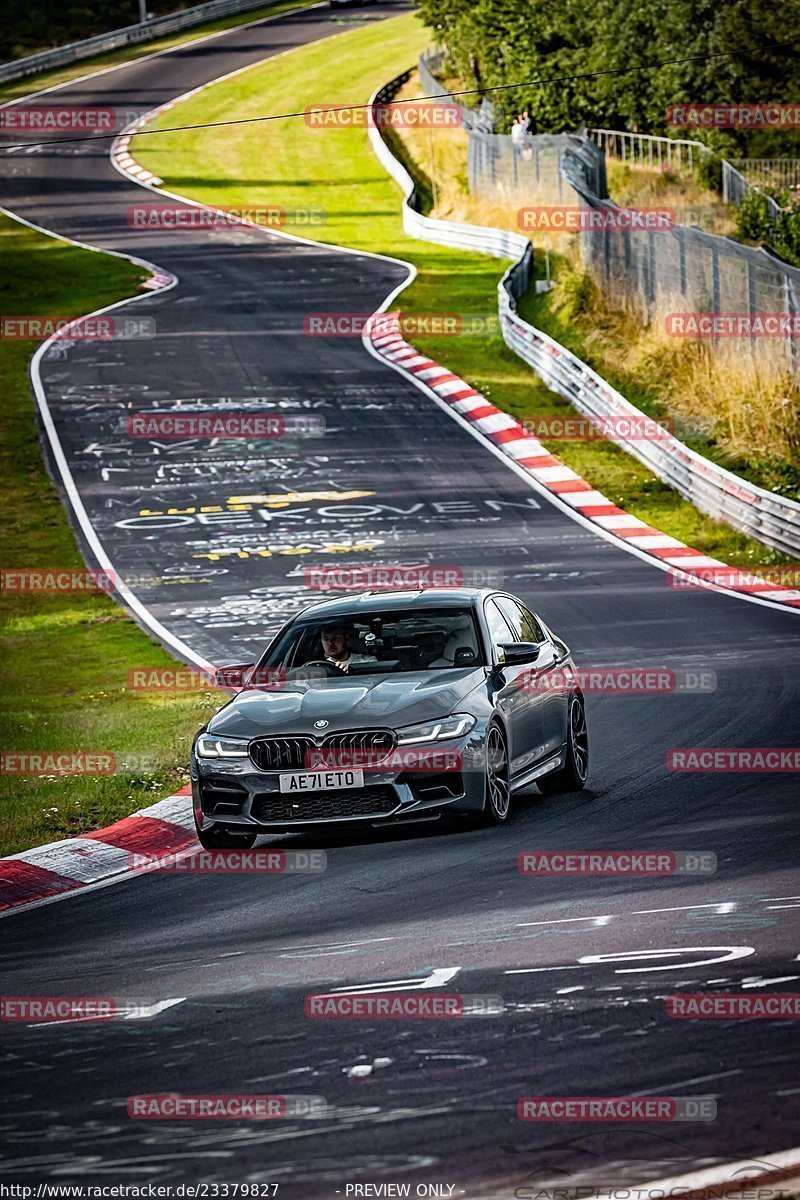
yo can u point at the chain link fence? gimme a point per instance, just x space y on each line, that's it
774 520
676 274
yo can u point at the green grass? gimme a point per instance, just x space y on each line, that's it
65 658
291 164
112 58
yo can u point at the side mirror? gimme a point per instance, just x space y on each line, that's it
232 675
516 653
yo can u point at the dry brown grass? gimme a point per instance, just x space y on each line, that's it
647 187
748 406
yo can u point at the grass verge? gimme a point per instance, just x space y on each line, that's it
65 658
335 169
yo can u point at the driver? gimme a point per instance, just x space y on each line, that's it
337 651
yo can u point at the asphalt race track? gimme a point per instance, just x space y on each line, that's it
575 960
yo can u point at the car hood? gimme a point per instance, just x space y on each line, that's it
366 702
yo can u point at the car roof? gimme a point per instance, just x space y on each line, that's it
400 599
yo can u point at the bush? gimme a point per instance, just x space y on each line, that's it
753 218
709 172
756 222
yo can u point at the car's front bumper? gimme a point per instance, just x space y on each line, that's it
237 795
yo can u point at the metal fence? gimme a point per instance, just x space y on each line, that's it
662 153
681 271
649 150
674 269
130 35
735 187
533 170
769 172
772 519
769 518
481 117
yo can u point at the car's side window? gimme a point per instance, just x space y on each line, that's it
523 623
499 630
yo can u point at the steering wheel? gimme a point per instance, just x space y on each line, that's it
328 667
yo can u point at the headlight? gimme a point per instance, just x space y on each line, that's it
436 731
216 747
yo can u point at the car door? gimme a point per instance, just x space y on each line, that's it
520 705
544 677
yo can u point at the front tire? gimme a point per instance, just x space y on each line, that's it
497 804
216 837
572 776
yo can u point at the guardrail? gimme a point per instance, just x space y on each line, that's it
771 519
497 242
61 56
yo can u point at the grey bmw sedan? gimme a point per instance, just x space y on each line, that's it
386 707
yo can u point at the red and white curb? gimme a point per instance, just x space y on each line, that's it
121 156
48 871
526 452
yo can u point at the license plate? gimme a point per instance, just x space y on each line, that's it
321 781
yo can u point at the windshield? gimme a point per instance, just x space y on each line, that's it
376 642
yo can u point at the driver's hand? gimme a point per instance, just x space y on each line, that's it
310 672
